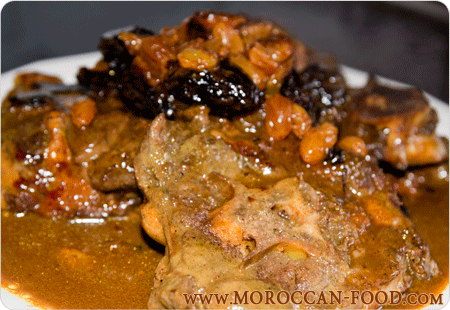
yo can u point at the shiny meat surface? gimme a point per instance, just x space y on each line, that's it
234 220
397 124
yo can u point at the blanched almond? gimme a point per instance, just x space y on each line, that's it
278 117
316 142
353 145
301 122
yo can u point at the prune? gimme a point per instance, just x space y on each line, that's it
117 58
321 92
97 81
335 155
227 93
114 50
121 75
131 87
138 95
195 29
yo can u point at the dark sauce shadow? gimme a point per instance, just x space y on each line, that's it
152 243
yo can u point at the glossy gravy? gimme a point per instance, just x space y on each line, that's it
110 265
429 211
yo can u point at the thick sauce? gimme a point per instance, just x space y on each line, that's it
111 265
75 266
429 211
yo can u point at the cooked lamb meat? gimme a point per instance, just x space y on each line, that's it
398 125
113 147
65 155
239 212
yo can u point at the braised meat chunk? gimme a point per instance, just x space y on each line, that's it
65 155
398 125
285 196
244 222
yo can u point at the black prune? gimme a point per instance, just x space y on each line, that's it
131 87
121 75
227 93
335 155
137 95
321 92
114 50
194 29
101 82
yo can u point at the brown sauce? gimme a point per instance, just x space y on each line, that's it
429 211
60 264
77 266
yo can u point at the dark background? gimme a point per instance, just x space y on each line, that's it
406 41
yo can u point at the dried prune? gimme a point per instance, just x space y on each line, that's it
335 155
195 29
137 95
115 56
100 82
131 87
114 50
227 93
321 92
121 75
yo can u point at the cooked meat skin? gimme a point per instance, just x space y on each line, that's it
230 225
63 158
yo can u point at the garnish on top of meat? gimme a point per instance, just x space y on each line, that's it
233 64
224 61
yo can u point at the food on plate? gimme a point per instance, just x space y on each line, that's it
229 225
397 124
242 152
65 155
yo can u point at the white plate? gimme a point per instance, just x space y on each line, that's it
67 68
